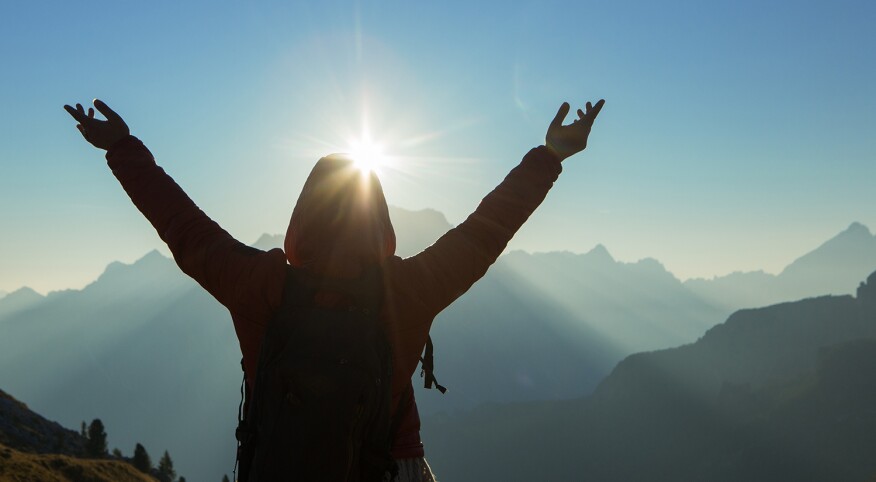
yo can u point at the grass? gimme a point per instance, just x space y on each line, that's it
18 466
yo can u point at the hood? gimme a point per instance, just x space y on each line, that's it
340 224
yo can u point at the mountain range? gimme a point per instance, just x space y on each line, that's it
784 392
835 267
148 351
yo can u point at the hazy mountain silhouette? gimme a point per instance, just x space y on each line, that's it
19 300
143 348
148 351
551 326
835 267
778 393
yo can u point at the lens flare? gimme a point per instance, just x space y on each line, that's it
368 156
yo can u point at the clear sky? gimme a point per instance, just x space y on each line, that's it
736 135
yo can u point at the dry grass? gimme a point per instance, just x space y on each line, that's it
18 466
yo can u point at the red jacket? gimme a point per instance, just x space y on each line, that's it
249 282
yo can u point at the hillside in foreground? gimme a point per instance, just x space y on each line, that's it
34 449
29 467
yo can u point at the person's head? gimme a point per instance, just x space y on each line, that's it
340 223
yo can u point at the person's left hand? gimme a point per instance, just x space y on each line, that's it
101 134
565 141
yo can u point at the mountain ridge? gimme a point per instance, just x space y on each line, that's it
834 267
19 300
856 234
783 392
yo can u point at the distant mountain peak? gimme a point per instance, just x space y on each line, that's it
600 252
855 233
857 229
18 300
855 247
268 241
652 263
151 255
148 259
21 298
119 275
24 291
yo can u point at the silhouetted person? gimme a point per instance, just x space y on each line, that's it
339 227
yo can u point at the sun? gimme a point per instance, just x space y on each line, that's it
367 155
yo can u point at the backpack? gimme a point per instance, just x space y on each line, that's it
320 407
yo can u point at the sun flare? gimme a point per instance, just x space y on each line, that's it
367 155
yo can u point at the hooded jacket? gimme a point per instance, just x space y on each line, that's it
249 282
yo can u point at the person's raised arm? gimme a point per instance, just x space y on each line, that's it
448 268
229 270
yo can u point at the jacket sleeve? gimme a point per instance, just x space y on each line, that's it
242 278
448 268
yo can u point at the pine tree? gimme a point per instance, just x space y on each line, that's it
181 479
225 478
165 468
96 444
83 431
141 460
117 453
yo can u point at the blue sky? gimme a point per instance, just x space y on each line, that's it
736 135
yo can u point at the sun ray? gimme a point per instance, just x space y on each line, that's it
385 144
367 155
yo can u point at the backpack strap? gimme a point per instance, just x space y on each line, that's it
244 434
428 370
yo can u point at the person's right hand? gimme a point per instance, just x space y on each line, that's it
99 133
